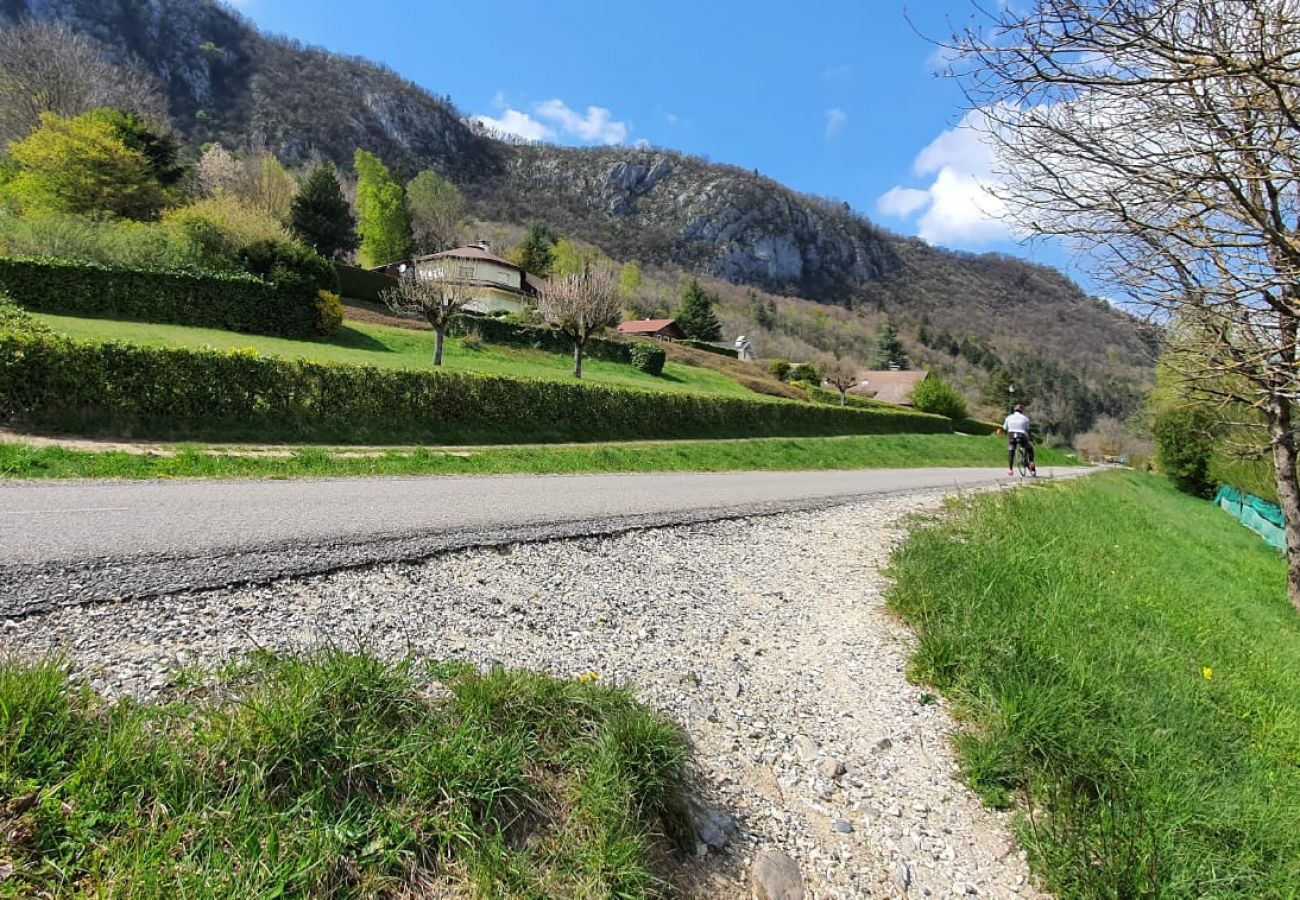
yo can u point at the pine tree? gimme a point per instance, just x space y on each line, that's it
321 217
382 220
695 313
537 252
889 348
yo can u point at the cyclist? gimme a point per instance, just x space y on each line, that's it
1017 428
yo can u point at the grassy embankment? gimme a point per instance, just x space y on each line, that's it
1128 663
358 343
337 776
19 461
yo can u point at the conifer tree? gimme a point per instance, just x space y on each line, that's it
320 215
695 313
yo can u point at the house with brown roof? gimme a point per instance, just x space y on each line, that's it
497 284
890 386
659 329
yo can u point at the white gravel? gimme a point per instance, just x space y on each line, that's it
765 637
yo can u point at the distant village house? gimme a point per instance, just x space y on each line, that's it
890 386
498 285
658 329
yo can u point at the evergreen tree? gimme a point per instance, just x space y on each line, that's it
382 220
889 348
321 217
695 313
537 253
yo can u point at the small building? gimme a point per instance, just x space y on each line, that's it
658 329
498 284
889 386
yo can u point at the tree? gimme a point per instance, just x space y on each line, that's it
382 222
157 143
580 305
257 178
629 280
434 295
1163 138
889 347
934 395
437 212
840 374
537 252
82 166
321 217
47 67
695 313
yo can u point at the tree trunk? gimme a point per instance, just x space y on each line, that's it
438 334
843 402
1288 487
577 359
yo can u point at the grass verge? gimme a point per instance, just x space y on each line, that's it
22 461
1127 661
336 776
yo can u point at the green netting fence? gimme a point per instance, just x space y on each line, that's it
1260 516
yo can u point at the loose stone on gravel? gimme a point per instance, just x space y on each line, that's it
766 638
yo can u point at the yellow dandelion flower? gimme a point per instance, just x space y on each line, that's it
1208 673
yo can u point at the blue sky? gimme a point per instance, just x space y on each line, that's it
837 99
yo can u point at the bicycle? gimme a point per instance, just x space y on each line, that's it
1022 460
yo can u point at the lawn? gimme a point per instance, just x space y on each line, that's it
21 461
361 343
337 776
1128 664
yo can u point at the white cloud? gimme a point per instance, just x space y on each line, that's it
957 209
512 121
596 127
836 119
553 118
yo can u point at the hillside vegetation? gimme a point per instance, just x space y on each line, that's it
1126 659
975 315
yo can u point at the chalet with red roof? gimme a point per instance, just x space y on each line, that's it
658 329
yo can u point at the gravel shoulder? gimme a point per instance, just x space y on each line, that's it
766 637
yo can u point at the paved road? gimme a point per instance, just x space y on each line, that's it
64 543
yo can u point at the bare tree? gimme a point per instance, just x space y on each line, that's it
434 296
840 374
1161 138
49 67
580 305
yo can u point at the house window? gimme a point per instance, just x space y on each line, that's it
466 272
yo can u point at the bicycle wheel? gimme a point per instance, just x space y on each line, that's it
1022 460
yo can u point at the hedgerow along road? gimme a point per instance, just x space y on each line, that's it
79 542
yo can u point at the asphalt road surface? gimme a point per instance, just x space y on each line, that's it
67 543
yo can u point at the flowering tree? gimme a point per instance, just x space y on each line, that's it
580 305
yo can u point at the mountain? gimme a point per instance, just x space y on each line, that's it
227 81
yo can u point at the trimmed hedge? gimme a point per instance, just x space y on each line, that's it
58 383
975 426
649 358
362 284
709 348
229 301
513 334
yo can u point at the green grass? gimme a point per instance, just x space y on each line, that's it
1129 667
21 461
336 776
358 343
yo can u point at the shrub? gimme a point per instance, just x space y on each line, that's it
975 426
216 229
709 348
56 382
1184 447
649 358
780 369
804 372
105 241
235 302
274 260
471 342
15 319
934 395
329 312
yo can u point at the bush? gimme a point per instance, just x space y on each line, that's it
58 383
514 334
649 358
805 372
329 312
109 242
934 395
709 348
1184 447
275 261
975 426
230 301
780 369
216 229
14 318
